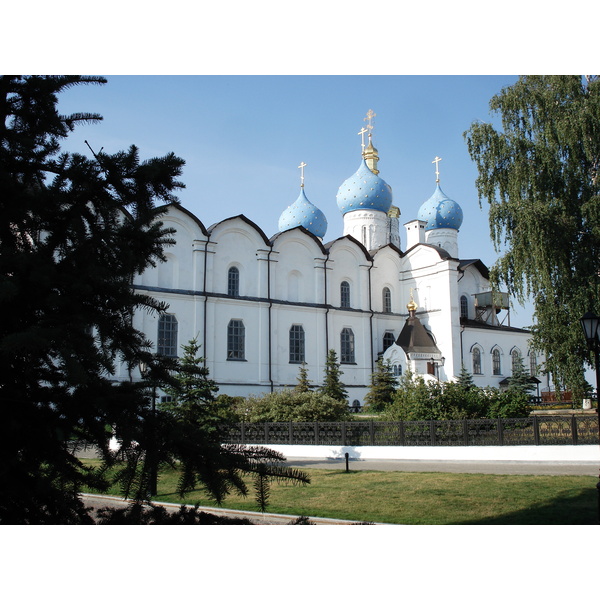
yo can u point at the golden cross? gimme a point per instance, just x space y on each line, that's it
369 117
362 134
301 166
437 168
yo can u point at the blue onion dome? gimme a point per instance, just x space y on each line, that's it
364 190
441 212
303 213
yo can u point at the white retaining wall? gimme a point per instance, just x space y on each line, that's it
584 453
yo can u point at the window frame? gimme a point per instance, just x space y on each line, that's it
345 294
236 340
387 336
513 357
386 300
476 361
166 338
464 307
533 366
347 347
496 362
297 345
233 282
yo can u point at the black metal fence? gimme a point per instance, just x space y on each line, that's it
535 430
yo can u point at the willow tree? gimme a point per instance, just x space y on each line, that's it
539 174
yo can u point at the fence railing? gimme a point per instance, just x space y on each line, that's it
534 430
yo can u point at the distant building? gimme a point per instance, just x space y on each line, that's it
261 306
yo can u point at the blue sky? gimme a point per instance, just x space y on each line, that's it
243 137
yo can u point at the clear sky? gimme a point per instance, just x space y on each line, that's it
243 137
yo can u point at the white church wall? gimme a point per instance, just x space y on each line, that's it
237 244
293 274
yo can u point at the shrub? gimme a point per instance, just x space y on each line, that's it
288 405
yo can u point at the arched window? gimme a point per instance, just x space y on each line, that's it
297 344
233 282
515 356
397 370
236 334
533 363
345 294
496 364
388 340
387 300
464 307
167 336
476 361
347 346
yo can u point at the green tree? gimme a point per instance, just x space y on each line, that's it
289 405
303 384
520 380
417 400
381 390
540 175
73 234
465 379
332 384
412 400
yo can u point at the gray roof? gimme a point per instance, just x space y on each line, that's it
415 338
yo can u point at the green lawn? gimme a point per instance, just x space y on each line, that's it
421 498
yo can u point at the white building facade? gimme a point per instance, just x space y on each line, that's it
261 306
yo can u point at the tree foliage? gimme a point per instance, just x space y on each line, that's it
289 405
73 234
303 384
381 390
420 400
540 175
332 383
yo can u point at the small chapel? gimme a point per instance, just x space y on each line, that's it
262 305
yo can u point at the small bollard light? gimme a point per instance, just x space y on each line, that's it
347 457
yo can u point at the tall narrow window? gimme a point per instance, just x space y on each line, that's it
464 307
236 333
345 294
516 359
233 282
297 344
476 361
167 336
388 340
347 346
496 366
387 300
533 363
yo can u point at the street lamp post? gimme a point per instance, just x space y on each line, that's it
152 441
590 324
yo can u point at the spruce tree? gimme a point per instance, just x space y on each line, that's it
520 380
332 384
465 379
383 385
303 384
74 232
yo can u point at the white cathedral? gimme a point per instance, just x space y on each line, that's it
262 306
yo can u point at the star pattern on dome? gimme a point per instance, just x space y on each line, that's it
440 212
376 194
303 213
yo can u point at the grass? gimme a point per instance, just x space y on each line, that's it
420 498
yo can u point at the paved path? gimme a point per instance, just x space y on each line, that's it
95 502
496 467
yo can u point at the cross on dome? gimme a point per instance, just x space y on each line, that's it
301 167
362 140
436 160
